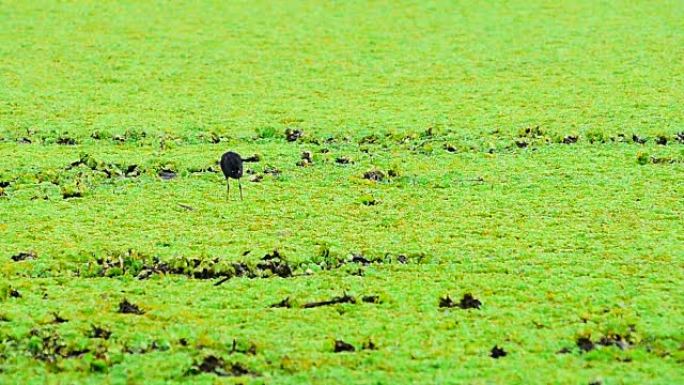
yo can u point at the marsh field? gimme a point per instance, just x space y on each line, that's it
444 192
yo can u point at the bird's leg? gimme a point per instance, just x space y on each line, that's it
240 186
227 189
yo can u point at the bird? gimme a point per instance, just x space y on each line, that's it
231 165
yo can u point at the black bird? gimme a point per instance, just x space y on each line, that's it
231 165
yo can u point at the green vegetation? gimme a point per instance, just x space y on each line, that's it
528 153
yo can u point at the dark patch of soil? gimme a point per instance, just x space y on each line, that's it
637 139
110 172
166 174
585 344
132 171
446 301
371 299
276 265
155 267
341 346
254 158
183 342
291 134
83 160
273 264
275 254
614 340
343 160
272 170
369 139
497 352
211 137
661 140
358 258
242 270
369 345
469 302
211 364
126 307
99 332
131 135
51 347
23 256
346 298
374 175
68 194
58 319
216 365
533 132
237 369
570 139
66 141
202 170
190 267
284 303
109 169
